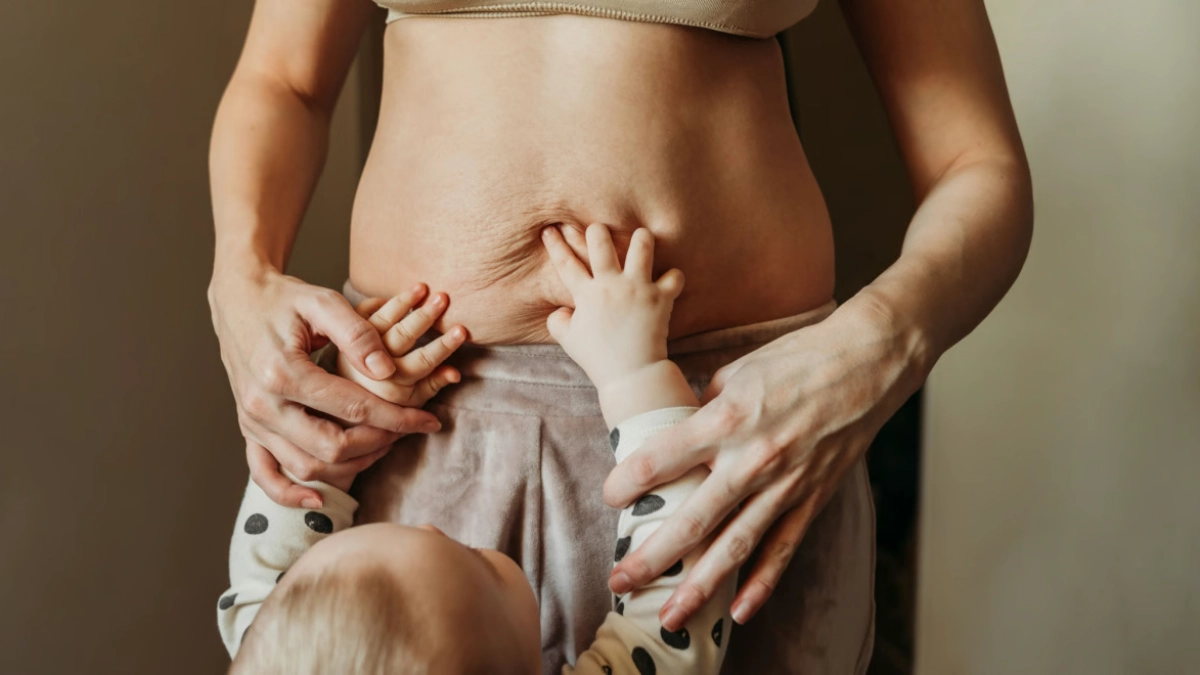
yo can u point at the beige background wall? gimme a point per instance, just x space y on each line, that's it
1061 517
120 464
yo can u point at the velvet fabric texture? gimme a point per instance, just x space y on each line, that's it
519 466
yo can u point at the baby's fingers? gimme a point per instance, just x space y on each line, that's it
402 336
420 363
430 386
559 322
601 252
566 263
639 261
369 306
395 309
671 283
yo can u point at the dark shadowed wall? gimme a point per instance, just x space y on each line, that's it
120 462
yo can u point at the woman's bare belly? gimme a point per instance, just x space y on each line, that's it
491 129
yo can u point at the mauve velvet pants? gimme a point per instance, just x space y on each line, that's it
519 465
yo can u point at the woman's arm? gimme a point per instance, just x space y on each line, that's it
938 72
268 146
272 127
782 426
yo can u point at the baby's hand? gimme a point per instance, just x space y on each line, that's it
619 323
419 373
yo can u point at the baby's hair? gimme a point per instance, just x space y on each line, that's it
358 621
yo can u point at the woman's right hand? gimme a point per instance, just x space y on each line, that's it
268 324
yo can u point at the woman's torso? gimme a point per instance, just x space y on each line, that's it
491 129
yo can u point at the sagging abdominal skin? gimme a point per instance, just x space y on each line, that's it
519 260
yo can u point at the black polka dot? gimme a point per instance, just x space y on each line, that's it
679 639
614 438
643 662
606 669
648 504
256 524
718 627
621 608
674 569
279 578
227 601
622 548
318 522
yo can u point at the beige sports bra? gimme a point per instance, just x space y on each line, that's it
752 18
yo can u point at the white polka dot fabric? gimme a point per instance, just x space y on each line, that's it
267 540
631 639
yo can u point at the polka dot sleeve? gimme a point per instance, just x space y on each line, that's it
631 639
267 540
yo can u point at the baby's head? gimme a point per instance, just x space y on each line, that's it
393 599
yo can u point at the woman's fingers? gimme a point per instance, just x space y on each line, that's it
328 313
664 457
601 252
420 363
342 399
639 260
726 553
681 532
776 551
397 308
401 337
717 384
359 464
264 470
565 262
329 441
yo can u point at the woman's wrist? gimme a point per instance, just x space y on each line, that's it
905 339
233 267
244 259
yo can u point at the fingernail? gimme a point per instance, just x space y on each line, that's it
379 364
431 427
741 612
672 616
311 503
545 232
620 583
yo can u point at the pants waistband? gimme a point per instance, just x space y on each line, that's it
549 364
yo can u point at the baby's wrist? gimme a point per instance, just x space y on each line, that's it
655 385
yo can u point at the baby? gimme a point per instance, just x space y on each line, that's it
386 598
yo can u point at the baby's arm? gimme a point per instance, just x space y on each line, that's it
631 639
617 333
267 540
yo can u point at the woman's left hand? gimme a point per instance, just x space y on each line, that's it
779 429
